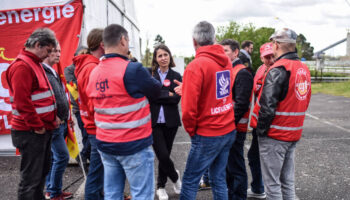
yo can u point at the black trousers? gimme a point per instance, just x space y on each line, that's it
35 152
163 139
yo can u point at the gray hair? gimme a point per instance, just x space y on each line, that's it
44 36
204 33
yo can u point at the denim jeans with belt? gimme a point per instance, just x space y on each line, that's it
207 152
60 158
138 168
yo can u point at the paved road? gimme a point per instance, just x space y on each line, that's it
322 156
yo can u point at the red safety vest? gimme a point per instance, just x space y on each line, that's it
287 124
118 116
43 97
258 79
242 125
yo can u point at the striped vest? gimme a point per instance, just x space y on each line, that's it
43 97
242 125
287 124
118 116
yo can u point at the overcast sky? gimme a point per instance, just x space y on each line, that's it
322 22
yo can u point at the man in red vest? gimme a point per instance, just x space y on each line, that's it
285 97
257 186
119 91
33 112
236 174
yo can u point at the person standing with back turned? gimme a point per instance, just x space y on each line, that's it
207 114
84 65
119 91
284 99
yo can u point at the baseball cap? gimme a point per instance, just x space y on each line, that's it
284 35
266 49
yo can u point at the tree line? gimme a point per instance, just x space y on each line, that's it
241 32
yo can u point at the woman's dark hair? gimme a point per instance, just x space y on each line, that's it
155 65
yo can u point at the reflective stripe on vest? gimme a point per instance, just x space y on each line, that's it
290 113
286 128
122 110
38 96
40 110
254 115
243 121
125 125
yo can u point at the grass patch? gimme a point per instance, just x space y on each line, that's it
326 74
332 88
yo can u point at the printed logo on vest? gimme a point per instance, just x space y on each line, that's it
102 85
222 84
302 84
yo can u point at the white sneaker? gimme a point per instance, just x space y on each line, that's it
178 184
162 195
251 194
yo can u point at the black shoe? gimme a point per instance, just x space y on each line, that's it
204 186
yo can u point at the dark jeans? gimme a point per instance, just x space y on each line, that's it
60 158
163 139
85 152
94 180
236 174
254 164
35 152
207 152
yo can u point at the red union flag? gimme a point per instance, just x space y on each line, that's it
16 24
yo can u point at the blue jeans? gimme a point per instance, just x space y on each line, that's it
207 152
257 184
94 180
85 152
60 158
138 168
236 177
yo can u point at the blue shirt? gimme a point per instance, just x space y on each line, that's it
138 83
162 75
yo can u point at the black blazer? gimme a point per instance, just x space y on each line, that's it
169 103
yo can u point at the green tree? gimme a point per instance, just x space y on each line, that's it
147 58
241 32
188 59
305 50
159 39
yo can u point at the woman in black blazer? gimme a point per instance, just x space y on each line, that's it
165 119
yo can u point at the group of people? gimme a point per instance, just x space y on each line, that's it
124 108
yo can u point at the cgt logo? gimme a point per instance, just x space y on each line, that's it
302 84
102 86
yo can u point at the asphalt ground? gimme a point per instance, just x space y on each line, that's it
322 157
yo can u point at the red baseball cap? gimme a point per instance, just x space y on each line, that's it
266 49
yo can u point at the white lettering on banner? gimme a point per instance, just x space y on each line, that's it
7 125
218 110
49 14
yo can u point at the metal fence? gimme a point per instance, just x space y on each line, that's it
331 66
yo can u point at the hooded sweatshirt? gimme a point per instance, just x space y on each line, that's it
207 107
84 64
